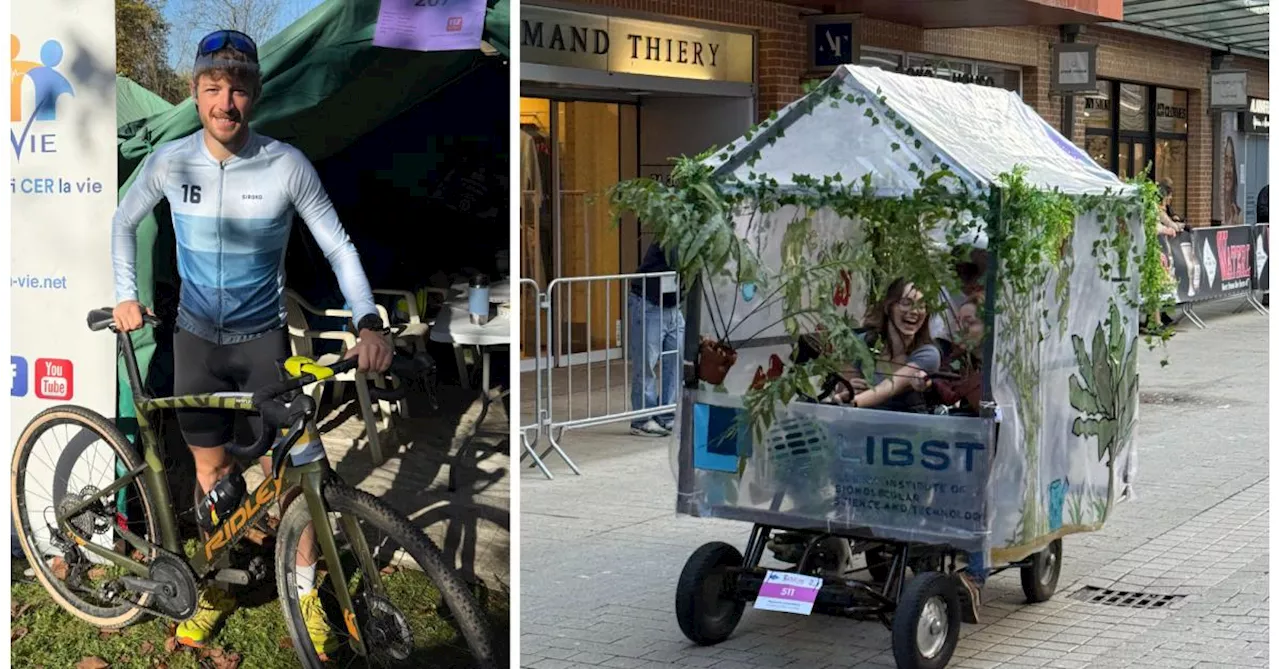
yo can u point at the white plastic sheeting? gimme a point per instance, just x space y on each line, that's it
978 131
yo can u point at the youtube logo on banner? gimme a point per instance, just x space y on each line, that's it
54 379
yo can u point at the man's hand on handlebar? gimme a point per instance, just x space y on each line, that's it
373 352
128 316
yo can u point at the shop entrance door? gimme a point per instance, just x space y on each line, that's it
572 152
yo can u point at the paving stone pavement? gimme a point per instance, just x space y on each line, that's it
601 553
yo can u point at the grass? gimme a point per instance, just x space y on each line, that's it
45 635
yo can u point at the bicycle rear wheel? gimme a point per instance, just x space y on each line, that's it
401 627
66 455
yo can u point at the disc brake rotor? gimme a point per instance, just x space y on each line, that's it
386 630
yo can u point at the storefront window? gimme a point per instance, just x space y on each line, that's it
926 66
885 60
1171 111
999 77
1133 108
1171 164
1099 148
1097 109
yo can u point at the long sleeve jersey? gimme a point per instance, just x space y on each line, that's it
232 221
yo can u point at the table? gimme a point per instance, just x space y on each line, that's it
453 326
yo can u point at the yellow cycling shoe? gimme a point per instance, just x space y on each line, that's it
211 610
318 625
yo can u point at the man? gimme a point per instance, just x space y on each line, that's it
233 194
657 327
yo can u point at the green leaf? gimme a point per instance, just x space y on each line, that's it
1081 398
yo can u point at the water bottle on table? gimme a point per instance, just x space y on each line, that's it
479 299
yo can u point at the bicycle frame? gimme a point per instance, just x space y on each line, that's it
308 477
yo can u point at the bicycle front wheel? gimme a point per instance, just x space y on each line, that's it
400 622
66 455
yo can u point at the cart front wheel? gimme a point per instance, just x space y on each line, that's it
926 624
1040 578
706 607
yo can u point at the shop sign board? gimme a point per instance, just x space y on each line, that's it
1075 68
631 46
833 41
1258 118
1229 90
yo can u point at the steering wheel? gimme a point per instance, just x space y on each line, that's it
828 388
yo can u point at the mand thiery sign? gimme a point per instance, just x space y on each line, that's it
631 46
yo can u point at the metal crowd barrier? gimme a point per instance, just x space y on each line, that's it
569 344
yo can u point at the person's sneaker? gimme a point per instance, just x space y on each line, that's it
212 609
649 428
322 637
970 597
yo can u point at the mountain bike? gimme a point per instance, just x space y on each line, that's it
97 525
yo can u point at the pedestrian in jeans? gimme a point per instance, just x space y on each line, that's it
657 325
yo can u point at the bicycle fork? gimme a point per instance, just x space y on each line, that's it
324 536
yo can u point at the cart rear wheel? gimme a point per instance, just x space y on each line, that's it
706 607
1040 579
926 624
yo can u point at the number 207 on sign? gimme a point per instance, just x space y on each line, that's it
788 593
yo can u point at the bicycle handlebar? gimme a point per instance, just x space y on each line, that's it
276 414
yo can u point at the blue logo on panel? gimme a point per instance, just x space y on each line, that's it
833 44
18 368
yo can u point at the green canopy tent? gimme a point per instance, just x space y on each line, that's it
325 85
134 105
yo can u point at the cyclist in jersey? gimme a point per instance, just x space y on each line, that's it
233 194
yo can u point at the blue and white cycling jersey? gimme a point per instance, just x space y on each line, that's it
232 222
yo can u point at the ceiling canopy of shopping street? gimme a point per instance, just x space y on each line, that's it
973 13
1236 25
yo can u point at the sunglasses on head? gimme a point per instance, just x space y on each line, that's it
221 39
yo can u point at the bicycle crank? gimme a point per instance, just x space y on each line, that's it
171 584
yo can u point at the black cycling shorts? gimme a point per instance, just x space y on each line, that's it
202 366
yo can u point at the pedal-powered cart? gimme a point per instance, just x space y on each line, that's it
873 514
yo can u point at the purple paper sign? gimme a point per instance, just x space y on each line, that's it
788 592
430 25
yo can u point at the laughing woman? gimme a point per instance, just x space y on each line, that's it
899 327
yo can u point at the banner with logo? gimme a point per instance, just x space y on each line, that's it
1261 251
1211 263
62 153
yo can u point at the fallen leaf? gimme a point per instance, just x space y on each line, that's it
286 643
215 653
170 644
387 570
161 665
97 573
107 633
124 659
146 647
17 633
228 661
92 663
16 610
204 652
59 568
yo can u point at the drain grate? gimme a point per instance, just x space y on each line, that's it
1133 600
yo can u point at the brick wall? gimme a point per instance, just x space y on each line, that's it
1121 55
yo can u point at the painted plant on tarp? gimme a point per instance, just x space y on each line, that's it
1105 392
